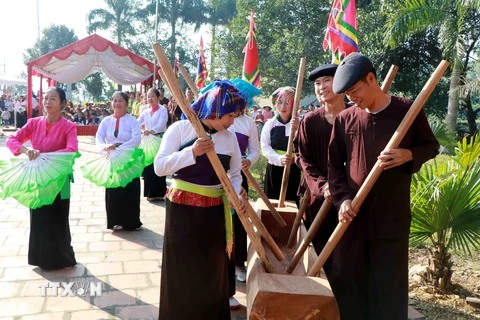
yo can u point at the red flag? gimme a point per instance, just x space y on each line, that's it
202 72
251 72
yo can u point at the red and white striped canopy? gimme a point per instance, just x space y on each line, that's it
78 60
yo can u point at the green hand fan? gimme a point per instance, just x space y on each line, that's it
40 197
150 145
39 181
4 164
117 169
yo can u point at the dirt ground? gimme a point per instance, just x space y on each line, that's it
447 305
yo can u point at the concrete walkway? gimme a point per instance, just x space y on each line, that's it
127 264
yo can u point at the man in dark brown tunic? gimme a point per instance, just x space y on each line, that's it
371 260
311 146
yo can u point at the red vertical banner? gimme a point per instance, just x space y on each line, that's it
251 71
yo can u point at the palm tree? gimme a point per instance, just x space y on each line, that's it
120 18
445 199
221 12
457 35
188 11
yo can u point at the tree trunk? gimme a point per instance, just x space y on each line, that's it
173 23
440 267
213 52
471 115
453 99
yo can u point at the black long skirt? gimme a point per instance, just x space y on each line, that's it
49 244
154 186
239 255
194 282
273 182
123 206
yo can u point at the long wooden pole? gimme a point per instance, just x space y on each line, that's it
250 212
325 208
189 80
176 91
264 197
387 83
293 131
377 170
312 231
298 218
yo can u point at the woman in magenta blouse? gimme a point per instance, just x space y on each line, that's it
49 244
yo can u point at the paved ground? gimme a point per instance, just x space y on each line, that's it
127 264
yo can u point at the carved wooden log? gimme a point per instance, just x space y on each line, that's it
280 296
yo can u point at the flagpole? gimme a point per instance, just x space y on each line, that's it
38 24
156 40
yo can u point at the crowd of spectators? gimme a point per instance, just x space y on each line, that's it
91 114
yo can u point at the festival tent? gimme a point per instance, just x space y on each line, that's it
78 60
9 81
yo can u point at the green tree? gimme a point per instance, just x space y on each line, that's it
53 37
121 18
417 57
458 32
286 31
445 199
93 85
172 11
221 12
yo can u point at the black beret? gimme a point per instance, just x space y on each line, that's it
325 70
353 68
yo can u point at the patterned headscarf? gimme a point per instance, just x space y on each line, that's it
288 93
245 87
222 99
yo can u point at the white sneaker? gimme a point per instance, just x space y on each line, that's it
234 304
241 274
117 227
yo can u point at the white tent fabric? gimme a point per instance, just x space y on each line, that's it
10 81
76 61
120 69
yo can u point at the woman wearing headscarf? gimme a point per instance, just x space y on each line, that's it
245 130
274 142
198 225
154 119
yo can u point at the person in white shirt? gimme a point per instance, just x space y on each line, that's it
274 143
121 130
253 114
20 113
35 106
246 132
155 120
198 225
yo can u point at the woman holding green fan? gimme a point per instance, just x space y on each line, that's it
155 121
119 168
54 145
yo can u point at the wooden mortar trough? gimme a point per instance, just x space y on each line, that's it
282 296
